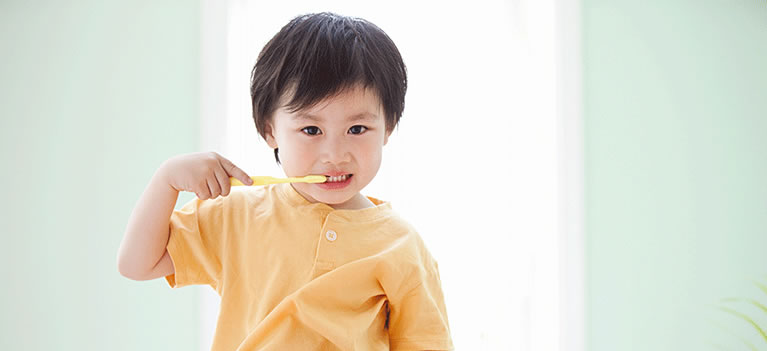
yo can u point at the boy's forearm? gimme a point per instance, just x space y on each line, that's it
146 234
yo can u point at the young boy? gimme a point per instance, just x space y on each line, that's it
301 266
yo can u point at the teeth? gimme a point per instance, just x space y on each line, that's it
337 178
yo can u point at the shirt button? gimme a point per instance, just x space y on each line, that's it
331 235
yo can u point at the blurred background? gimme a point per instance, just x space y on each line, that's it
630 138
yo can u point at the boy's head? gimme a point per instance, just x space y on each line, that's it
327 91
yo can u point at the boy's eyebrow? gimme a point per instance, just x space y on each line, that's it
352 118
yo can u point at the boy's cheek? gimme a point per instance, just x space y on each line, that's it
298 162
373 149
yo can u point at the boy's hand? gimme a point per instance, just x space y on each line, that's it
204 173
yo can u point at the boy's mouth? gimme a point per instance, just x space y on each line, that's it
338 179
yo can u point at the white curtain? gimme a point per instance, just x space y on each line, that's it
477 164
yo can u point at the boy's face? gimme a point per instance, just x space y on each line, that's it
342 136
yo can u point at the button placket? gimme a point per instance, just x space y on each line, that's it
324 260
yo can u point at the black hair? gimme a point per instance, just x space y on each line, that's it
316 56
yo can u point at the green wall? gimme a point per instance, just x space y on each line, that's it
94 95
675 99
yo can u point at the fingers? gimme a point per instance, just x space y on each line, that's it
216 176
215 189
223 181
235 171
202 190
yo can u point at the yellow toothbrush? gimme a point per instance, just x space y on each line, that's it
264 180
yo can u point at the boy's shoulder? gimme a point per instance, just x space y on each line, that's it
251 197
410 241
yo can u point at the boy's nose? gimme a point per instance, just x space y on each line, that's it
335 152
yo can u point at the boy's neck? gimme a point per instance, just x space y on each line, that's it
358 202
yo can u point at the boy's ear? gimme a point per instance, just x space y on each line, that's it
386 136
269 136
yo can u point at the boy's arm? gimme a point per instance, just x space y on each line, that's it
142 254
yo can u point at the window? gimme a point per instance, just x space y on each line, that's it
485 163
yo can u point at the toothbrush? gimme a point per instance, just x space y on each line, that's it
264 180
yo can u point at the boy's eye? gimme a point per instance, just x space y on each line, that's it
358 129
311 130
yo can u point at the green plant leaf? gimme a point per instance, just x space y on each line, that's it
747 319
734 334
762 287
751 301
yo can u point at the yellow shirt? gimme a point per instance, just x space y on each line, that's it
295 275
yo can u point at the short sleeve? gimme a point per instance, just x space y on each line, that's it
194 244
418 318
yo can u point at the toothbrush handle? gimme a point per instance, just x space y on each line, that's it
264 180
306 179
283 180
257 180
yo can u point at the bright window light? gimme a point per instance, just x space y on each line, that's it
475 165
